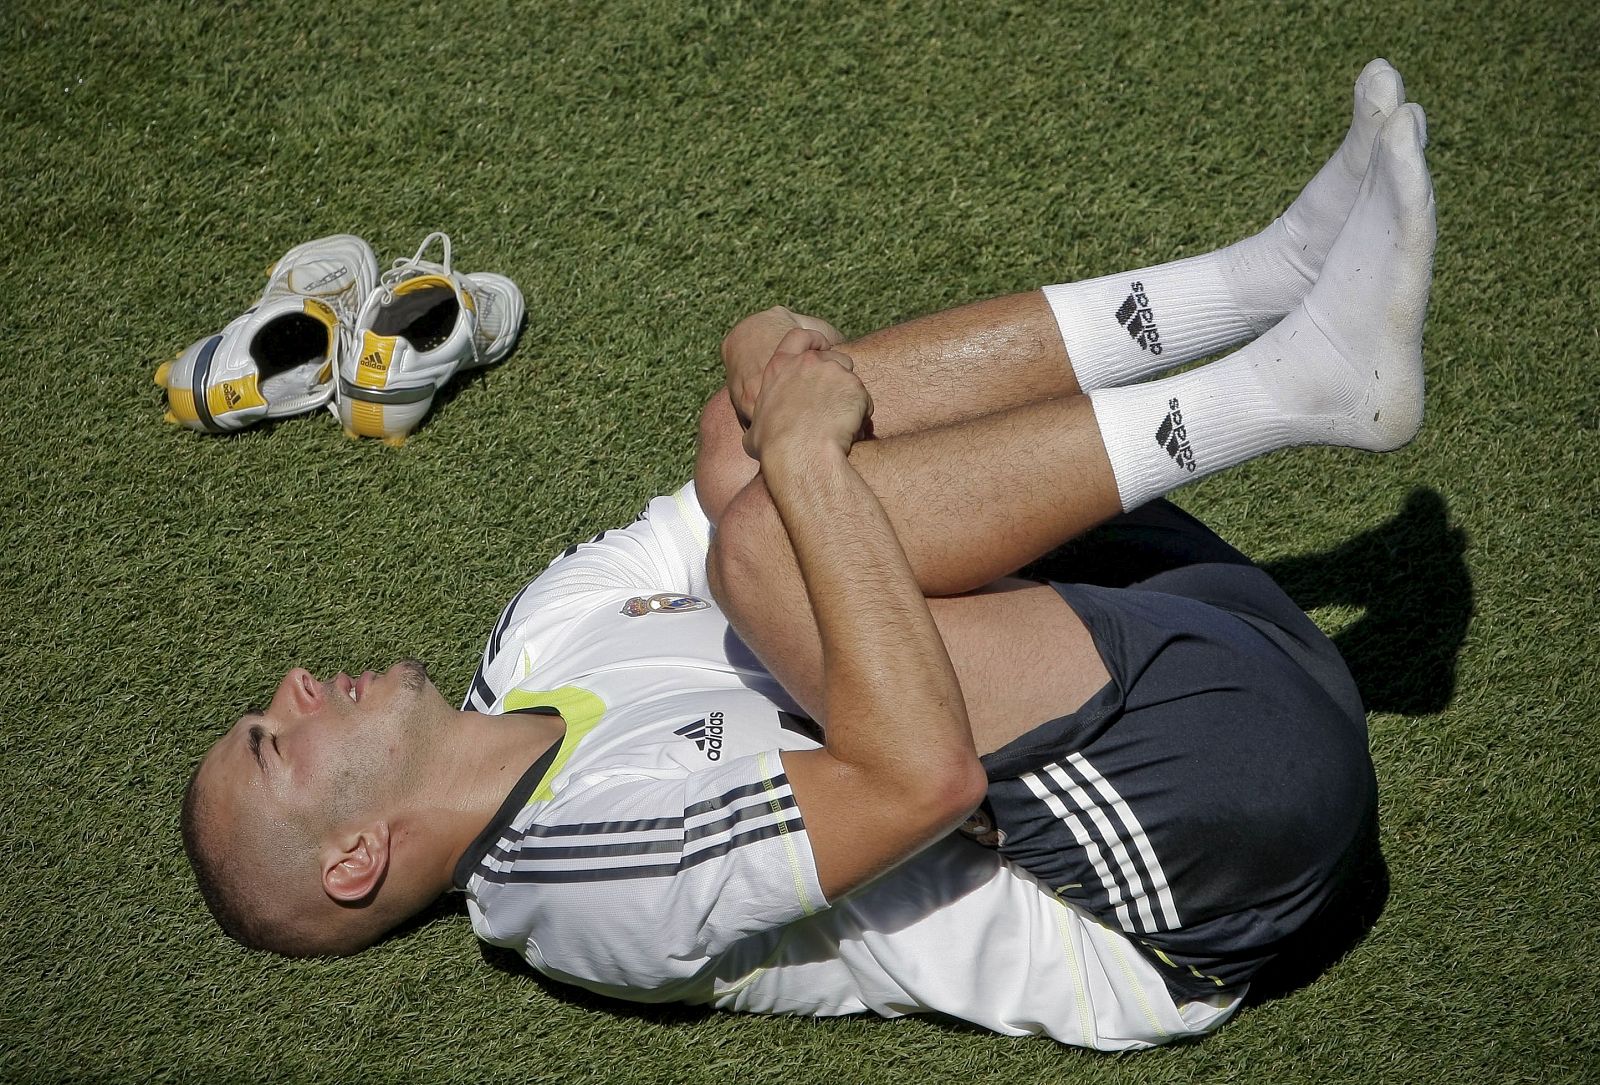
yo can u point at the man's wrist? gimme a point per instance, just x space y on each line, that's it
800 454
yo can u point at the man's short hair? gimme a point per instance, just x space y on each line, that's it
234 903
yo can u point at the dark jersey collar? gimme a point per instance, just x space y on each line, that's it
515 801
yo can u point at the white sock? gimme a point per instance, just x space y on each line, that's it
1124 328
1345 368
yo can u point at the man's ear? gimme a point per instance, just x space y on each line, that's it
353 866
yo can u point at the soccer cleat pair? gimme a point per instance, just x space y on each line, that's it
330 331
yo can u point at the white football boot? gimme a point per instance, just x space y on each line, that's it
280 357
425 323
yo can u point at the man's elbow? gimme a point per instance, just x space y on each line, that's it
963 787
942 793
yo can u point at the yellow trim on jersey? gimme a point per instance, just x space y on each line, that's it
580 709
1064 915
1174 964
776 805
754 974
1135 985
694 518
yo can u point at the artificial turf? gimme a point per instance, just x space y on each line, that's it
647 172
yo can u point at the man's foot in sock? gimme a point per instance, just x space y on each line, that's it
1271 272
1346 366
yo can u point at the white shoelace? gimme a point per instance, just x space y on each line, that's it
402 269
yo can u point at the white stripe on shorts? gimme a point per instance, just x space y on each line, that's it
1111 834
1136 833
1085 841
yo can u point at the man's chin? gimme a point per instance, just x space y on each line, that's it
413 673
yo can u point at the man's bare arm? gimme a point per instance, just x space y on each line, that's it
899 769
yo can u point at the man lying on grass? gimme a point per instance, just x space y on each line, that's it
830 755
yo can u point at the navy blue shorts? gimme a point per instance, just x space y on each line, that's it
1208 799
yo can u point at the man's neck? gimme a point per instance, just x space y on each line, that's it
481 762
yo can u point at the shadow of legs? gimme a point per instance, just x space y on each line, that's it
1410 575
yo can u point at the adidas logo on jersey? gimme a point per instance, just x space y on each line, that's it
706 734
1136 315
1172 436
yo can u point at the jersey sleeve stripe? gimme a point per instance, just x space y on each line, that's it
1109 834
1137 835
523 874
1097 860
733 818
550 852
760 787
710 828
597 828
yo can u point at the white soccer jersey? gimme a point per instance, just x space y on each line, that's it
658 854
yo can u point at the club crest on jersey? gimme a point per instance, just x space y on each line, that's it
641 605
981 827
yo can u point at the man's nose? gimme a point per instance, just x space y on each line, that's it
300 691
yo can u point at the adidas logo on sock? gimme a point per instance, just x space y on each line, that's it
706 734
1172 436
1135 315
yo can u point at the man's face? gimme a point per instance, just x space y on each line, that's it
324 751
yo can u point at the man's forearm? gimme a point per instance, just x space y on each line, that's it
893 702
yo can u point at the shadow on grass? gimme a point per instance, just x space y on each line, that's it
1410 575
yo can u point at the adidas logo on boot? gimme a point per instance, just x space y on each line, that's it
278 358
423 324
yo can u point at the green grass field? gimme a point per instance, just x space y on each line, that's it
648 172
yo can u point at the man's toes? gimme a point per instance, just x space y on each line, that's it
1400 148
1379 89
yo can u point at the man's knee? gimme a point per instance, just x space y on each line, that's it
721 467
744 548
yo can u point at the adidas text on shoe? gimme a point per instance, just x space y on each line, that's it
423 324
279 357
